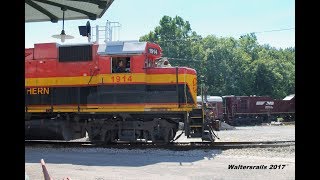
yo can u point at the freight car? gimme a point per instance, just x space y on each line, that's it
248 110
251 110
74 90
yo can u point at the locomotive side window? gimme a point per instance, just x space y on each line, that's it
120 65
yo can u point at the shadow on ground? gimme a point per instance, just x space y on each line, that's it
116 157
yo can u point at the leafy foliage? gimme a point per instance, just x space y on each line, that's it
229 66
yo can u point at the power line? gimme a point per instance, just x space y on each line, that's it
185 60
287 29
185 39
200 38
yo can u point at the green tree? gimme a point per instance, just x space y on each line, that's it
230 66
175 37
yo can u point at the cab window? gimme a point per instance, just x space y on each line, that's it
120 65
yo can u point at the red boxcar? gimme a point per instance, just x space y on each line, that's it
244 110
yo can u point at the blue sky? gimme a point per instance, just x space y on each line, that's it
223 18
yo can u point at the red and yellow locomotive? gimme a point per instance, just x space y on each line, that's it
71 90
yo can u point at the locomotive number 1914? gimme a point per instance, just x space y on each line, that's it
121 79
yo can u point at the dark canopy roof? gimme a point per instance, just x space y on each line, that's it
51 10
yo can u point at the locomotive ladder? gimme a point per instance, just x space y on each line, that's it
198 127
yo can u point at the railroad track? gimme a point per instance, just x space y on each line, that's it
170 146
